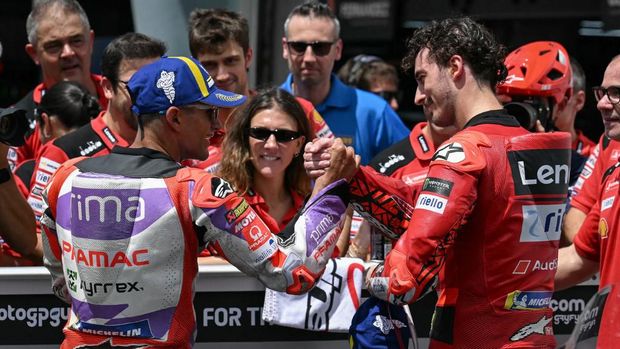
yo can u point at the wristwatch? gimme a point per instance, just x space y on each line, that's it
5 174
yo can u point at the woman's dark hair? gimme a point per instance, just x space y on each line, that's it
70 102
236 165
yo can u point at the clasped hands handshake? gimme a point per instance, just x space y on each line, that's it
326 157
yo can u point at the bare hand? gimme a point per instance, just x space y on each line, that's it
343 162
317 156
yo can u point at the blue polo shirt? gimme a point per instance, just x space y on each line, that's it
362 119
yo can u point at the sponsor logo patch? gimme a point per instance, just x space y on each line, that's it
166 83
611 185
48 165
528 300
423 143
236 212
540 171
72 280
432 203
94 288
586 172
607 203
542 222
220 188
90 147
522 267
437 185
43 177
603 229
108 133
139 329
105 259
452 152
392 159
540 327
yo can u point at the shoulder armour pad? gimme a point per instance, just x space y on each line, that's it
462 151
211 191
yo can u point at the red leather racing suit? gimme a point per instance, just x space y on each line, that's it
122 233
485 229
406 165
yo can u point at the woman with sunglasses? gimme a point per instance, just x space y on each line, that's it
261 155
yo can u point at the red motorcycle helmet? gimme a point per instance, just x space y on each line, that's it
540 68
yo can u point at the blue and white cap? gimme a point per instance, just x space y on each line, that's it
176 81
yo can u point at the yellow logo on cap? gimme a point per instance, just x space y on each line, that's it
195 69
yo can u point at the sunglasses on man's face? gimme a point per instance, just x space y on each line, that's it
388 95
282 136
319 48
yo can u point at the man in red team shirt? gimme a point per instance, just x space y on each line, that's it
60 41
586 189
596 247
220 40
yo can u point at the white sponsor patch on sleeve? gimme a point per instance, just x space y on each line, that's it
48 165
542 222
607 203
432 203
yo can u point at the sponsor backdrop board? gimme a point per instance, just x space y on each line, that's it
228 306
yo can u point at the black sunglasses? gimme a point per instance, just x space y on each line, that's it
320 48
388 95
612 92
282 136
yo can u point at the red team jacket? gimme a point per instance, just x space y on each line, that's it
597 239
587 188
485 229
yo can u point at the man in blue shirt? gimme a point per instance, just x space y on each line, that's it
311 45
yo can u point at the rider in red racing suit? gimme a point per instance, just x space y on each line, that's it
485 229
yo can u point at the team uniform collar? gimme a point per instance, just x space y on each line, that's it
498 116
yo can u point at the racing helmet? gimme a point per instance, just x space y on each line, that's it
540 68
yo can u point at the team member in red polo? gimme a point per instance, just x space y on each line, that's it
596 247
60 41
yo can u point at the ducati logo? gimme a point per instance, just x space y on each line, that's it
452 152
